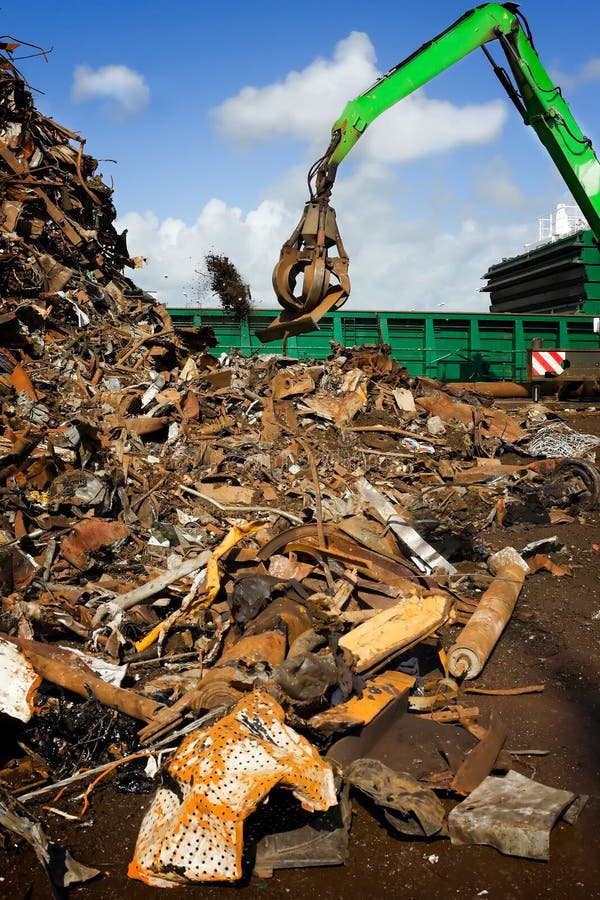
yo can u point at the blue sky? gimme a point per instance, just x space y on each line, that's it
214 112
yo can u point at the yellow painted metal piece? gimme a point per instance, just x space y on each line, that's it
396 629
377 694
193 830
212 581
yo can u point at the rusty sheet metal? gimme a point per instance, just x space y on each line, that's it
268 647
513 814
285 567
291 383
88 536
21 382
145 424
17 568
485 468
18 682
193 831
495 422
504 389
366 533
340 409
283 611
318 551
381 567
10 210
542 562
480 761
377 693
392 737
227 493
408 806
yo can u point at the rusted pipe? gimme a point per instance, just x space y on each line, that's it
468 656
499 389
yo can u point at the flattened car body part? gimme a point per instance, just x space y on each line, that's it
193 829
513 814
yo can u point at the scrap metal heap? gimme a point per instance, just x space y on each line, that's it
56 218
288 533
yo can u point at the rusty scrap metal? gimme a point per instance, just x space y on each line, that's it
305 255
469 654
148 487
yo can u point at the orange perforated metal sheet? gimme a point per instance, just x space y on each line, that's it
193 830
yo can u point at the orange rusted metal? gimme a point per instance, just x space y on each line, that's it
193 831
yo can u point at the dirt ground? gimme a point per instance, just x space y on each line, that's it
554 639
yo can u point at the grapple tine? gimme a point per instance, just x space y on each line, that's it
305 256
287 325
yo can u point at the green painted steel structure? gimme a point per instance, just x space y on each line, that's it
562 276
451 346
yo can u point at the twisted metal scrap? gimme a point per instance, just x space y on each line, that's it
559 440
193 830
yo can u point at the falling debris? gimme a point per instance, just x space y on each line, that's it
226 282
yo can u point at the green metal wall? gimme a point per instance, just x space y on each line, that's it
450 347
559 277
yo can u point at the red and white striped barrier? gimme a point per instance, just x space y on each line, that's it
547 361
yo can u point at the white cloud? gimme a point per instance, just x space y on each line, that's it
417 260
176 250
587 72
394 263
590 71
305 104
420 127
494 185
124 90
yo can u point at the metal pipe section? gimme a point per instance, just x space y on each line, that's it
469 654
499 389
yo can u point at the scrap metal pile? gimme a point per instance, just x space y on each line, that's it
278 570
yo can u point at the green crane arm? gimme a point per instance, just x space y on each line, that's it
305 255
538 100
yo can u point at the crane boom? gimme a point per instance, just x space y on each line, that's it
538 100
